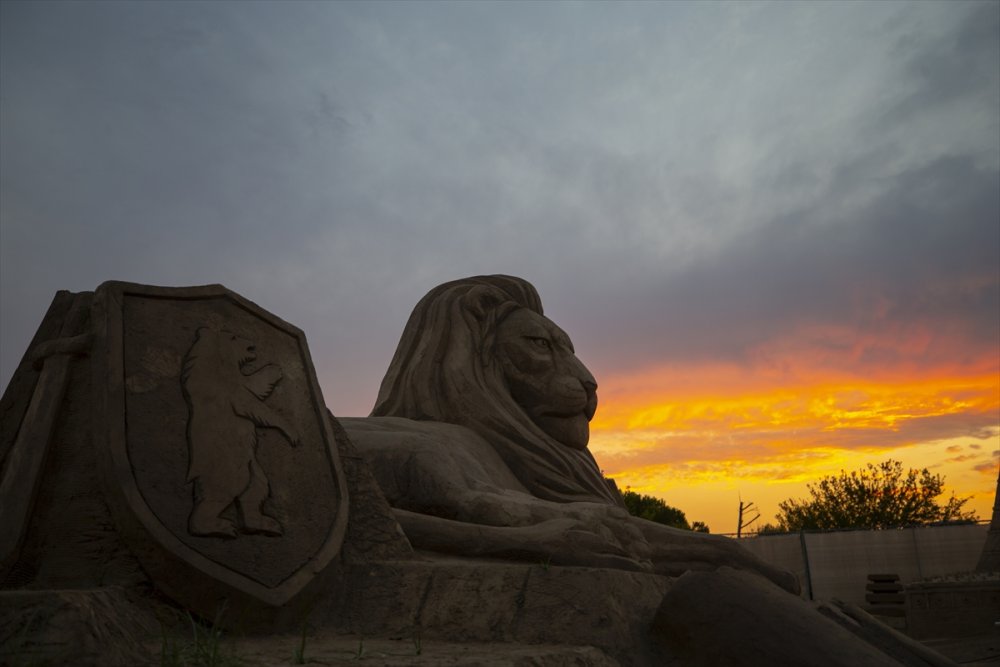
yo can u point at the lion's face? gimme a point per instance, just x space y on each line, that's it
545 378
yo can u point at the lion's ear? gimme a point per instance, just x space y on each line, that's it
481 301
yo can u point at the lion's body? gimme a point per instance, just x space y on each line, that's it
225 408
435 468
479 440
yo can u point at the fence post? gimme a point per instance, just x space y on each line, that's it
805 559
916 554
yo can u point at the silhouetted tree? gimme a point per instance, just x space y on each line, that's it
880 496
652 508
770 529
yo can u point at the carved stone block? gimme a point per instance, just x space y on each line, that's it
222 468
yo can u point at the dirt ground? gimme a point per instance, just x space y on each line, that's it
289 649
981 651
286 650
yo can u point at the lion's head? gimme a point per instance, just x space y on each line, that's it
480 353
545 377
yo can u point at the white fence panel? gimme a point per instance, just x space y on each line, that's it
837 564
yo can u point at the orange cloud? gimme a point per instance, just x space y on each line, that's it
676 431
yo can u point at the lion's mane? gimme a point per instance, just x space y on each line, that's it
445 370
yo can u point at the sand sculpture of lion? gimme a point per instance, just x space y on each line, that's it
479 440
225 409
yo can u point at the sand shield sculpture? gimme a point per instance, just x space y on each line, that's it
222 468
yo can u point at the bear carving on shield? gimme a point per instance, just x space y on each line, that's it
226 406
220 457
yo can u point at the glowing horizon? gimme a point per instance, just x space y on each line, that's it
704 436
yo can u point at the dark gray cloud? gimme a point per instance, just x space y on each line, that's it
952 67
925 248
681 181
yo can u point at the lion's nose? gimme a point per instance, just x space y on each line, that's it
251 348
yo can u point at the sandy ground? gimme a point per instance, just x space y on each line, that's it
284 650
972 651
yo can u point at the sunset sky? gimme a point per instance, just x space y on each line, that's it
771 229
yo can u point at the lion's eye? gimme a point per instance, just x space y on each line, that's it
541 342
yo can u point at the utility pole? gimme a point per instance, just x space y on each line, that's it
745 508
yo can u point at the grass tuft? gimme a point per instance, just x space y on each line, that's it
361 649
299 657
204 649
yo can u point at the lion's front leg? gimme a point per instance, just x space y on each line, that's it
561 541
675 551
